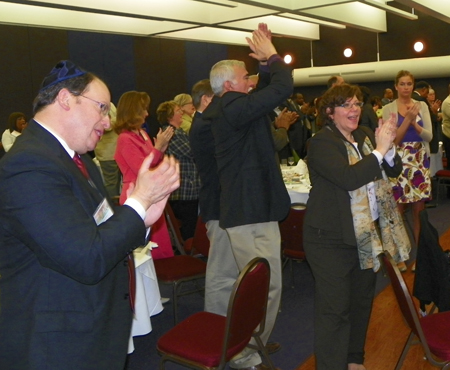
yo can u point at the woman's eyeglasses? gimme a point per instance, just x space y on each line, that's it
357 104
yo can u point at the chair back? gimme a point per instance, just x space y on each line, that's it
402 294
199 243
431 280
291 231
247 307
174 228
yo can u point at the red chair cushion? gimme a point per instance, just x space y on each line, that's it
443 173
295 254
436 328
199 338
179 267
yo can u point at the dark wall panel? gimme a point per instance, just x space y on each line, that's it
160 68
15 79
330 48
300 50
242 53
108 56
398 42
200 57
47 47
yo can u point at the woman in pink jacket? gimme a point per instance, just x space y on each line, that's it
133 145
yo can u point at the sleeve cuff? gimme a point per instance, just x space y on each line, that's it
266 67
378 155
139 209
390 155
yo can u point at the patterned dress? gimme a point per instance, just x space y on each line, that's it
414 183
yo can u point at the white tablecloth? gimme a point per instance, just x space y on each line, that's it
148 299
298 193
436 161
297 183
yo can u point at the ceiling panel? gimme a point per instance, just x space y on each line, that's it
77 20
196 19
281 26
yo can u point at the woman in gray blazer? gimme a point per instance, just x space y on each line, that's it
351 217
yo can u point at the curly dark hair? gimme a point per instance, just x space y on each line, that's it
335 96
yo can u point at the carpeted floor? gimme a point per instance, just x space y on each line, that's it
294 327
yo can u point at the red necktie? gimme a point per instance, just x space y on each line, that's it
80 165
131 268
131 280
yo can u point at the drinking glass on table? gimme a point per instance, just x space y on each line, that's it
283 163
291 161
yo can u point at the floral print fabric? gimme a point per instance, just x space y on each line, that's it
414 183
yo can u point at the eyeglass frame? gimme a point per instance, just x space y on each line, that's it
349 106
104 108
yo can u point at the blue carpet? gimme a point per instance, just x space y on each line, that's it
294 327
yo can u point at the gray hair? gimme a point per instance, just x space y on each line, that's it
221 72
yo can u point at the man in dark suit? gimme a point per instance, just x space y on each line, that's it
253 197
221 271
64 265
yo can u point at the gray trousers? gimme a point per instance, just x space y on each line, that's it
248 242
221 270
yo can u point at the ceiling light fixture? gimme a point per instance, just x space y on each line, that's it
419 46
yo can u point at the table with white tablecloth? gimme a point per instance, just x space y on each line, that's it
296 179
148 299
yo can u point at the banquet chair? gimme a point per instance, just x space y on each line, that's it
199 243
432 331
173 225
291 232
431 280
178 270
206 340
181 269
443 181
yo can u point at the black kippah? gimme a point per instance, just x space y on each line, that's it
64 70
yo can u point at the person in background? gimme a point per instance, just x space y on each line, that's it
253 197
334 81
368 117
16 124
435 106
133 146
377 106
65 253
184 201
282 119
421 92
184 101
414 132
350 217
104 152
445 108
388 97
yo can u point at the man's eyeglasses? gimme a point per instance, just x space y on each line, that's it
104 108
357 104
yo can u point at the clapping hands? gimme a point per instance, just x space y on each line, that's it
261 44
